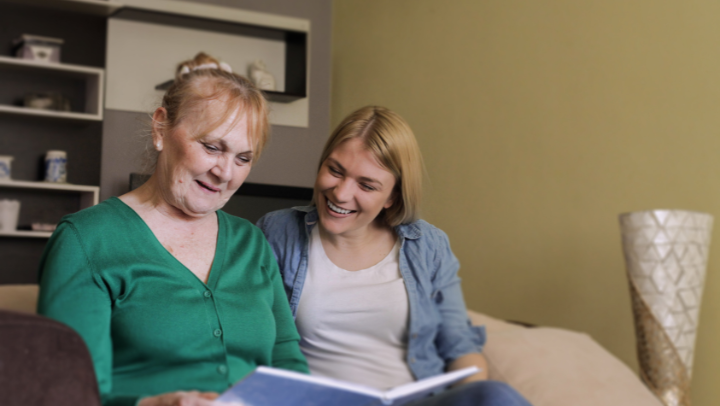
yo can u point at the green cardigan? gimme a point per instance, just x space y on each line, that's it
150 324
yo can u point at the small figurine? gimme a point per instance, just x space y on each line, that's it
260 76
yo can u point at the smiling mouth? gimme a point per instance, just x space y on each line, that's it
206 186
337 209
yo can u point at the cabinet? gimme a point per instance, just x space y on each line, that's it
27 134
81 84
84 24
38 205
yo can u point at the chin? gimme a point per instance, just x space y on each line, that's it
331 225
200 210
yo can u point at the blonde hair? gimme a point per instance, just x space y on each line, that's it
204 79
393 144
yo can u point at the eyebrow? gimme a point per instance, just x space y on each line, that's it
362 178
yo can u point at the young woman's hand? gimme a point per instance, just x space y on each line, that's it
471 360
180 398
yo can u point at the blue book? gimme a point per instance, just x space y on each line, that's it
278 387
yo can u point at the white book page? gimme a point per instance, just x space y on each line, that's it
432 382
333 383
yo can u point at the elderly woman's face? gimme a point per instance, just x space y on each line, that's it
199 173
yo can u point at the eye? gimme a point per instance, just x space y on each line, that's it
334 171
244 159
365 186
210 147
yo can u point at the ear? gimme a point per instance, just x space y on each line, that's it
388 204
159 121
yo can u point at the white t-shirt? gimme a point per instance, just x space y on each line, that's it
353 324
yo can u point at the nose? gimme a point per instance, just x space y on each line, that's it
223 169
343 191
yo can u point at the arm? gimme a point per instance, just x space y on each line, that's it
458 343
72 293
470 360
286 352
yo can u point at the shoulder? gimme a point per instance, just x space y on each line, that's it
234 221
422 232
283 221
97 218
428 247
238 226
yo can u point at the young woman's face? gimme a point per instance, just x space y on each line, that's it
351 189
199 173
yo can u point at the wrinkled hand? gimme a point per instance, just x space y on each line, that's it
180 398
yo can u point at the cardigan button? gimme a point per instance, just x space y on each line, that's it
222 369
207 294
217 332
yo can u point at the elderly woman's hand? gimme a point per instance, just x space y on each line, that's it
180 398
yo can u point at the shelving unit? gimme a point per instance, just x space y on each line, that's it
88 63
27 133
170 31
89 195
95 7
24 233
92 80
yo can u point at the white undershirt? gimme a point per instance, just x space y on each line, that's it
353 324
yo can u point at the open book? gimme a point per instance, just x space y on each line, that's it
278 387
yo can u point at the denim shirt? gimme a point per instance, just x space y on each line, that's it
439 330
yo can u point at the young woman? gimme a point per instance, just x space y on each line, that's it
175 299
374 290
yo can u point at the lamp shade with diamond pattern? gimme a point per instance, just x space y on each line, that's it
666 253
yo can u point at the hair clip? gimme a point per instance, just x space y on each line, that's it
212 65
224 66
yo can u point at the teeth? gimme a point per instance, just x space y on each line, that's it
337 209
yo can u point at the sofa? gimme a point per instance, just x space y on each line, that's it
549 366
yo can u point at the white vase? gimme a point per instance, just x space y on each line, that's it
666 254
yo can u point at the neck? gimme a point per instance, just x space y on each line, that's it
357 240
149 200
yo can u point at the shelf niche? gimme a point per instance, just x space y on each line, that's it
45 202
294 78
82 85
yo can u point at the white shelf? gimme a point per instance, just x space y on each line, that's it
220 13
94 87
23 233
60 67
90 195
48 185
96 7
67 115
109 7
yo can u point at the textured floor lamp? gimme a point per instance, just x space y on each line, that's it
666 253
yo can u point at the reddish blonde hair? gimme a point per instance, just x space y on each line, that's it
194 88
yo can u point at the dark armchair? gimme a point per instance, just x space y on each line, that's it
43 362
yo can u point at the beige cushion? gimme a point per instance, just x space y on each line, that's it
556 367
21 298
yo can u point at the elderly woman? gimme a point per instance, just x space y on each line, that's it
375 290
175 299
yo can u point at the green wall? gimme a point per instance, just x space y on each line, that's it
539 123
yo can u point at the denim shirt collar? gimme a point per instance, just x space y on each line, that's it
409 231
